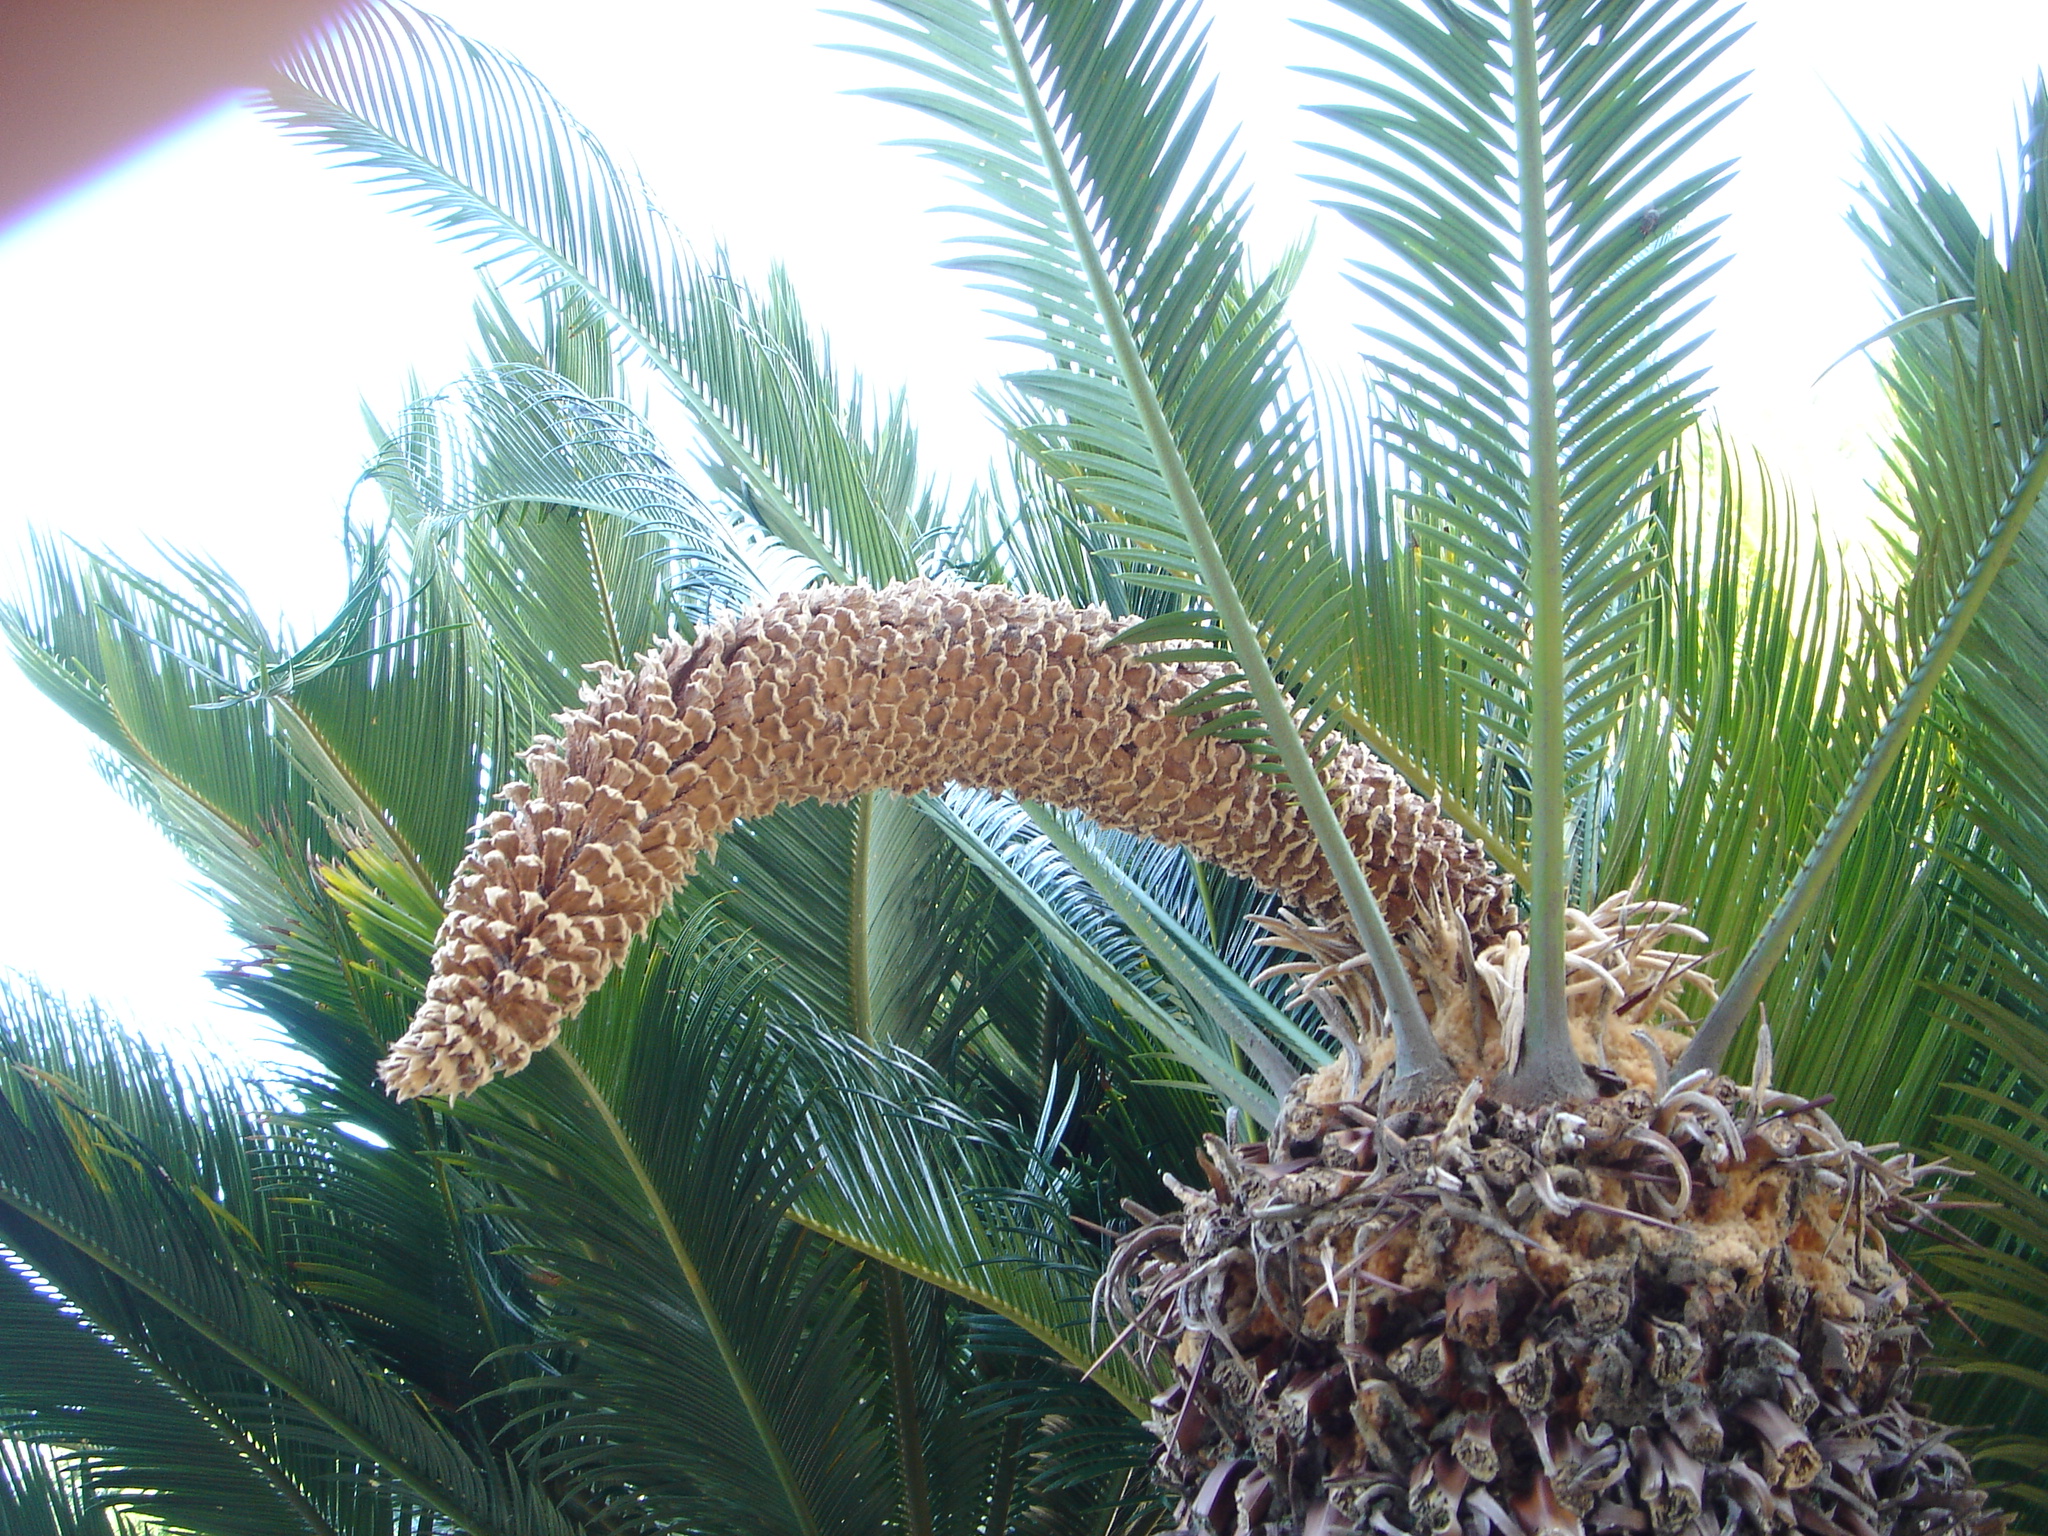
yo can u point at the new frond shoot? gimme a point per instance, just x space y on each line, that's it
1528 175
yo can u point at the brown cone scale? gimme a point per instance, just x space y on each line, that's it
836 691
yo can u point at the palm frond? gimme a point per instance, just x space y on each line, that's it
43 1496
1437 176
707 1345
1920 984
517 442
137 662
1521 170
168 1258
882 925
1076 920
137 1429
1769 671
1074 1443
962 1203
1276 1046
250 751
1971 458
1164 404
476 144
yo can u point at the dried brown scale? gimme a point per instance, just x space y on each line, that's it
1625 989
1742 1370
833 692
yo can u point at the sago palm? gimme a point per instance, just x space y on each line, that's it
1487 1239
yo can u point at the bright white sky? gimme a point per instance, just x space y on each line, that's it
191 337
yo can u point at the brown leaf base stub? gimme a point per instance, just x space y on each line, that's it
832 692
1671 1314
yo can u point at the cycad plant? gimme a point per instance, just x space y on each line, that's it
1484 1236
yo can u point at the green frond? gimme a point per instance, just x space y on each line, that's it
171 1261
707 1345
1073 915
961 1203
1433 172
1537 258
1277 1048
880 924
249 751
41 1495
1128 104
1164 405
514 442
92 1370
1971 457
473 142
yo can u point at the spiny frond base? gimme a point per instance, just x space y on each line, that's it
1668 1315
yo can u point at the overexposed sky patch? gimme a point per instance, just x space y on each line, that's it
190 338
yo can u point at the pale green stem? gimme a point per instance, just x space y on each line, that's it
917 1501
1717 1033
1549 1067
587 526
1417 1056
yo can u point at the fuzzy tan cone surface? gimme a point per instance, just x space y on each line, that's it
836 691
1669 1311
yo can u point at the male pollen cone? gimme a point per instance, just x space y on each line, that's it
829 693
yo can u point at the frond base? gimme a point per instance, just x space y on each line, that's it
1672 1314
